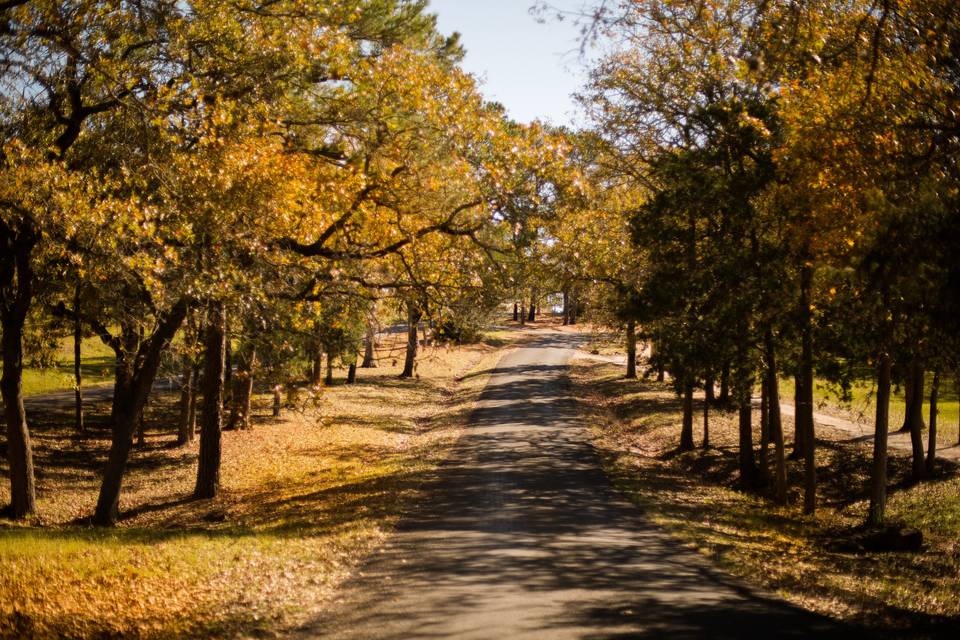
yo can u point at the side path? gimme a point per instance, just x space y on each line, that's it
522 536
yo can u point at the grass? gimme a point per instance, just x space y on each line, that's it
96 367
303 500
861 406
696 496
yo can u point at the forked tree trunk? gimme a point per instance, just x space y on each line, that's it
686 430
132 395
631 349
77 372
413 320
211 416
932 443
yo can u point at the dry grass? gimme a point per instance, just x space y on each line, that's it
303 500
695 495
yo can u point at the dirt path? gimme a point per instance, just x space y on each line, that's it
520 535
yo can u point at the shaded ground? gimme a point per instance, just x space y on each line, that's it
697 496
523 536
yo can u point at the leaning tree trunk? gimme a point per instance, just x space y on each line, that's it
631 349
127 410
686 430
211 417
932 442
413 320
369 345
16 296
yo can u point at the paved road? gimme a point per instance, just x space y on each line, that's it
522 536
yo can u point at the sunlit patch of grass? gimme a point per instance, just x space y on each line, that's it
303 500
695 496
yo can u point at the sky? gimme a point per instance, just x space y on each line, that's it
530 68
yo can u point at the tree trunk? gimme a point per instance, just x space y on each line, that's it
316 370
914 420
523 315
724 398
706 423
804 408
566 307
352 373
709 391
798 431
631 349
141 428
775 422
764 459
878 475
686 431
16 296
516 311
413 319
211 417
243 389
328 380
77 373
132 397
533 306
277 401
185 427
748 467
932 443
369 344
572 315
913 399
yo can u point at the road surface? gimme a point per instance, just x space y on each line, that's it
520 535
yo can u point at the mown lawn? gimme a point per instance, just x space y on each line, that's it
304 498
696 496
96 367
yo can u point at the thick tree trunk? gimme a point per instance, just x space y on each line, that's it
243 390
132 395
211 417
413 319
16 296
932 442
878 475
686 431
913 399
77 372
914 420
369 345
631 349
775 422
804 408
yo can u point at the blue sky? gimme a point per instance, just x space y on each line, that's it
530 68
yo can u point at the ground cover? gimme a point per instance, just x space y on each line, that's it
636 427
303 499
